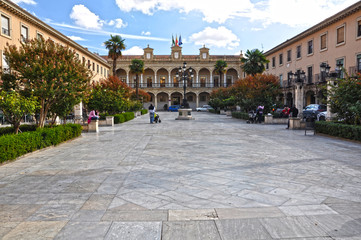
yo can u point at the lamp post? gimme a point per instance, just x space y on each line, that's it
184 75
325 71
298 77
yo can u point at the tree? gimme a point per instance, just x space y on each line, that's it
220 68
15 106
110 96
254 62
345 99
260 89
49 71
137 67
115 45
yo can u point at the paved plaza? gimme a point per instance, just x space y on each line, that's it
211 178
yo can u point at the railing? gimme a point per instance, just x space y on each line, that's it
174 85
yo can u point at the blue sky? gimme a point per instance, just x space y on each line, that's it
226 26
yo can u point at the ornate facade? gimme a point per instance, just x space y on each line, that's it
160 81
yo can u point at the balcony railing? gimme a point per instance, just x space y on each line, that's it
174 85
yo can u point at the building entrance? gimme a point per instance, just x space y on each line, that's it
176 101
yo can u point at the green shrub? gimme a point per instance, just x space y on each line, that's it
13 146
240 115
339 130
143 111
23 128
128 116
214 111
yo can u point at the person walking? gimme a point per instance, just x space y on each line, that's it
259 113
151 113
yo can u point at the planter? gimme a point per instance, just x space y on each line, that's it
295 123
93 126
184 114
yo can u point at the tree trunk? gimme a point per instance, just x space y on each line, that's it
114 66
16 127
136 86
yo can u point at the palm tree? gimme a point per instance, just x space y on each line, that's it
220 68
115 45
137 67
254 62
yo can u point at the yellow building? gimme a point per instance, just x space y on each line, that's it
160 81
18 25
335 42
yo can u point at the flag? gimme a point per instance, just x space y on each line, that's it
173 43
180 40
176 40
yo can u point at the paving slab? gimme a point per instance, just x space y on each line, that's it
211 178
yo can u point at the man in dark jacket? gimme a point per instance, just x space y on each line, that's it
151 113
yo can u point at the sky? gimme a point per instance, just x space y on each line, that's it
226 27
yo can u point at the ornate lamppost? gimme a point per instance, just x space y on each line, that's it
185 75
298 77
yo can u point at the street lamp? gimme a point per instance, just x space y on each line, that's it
338 69
184 75
325 71
298 77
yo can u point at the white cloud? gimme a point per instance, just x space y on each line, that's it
83 17
290 12
31 2
75 38
145 33
133 51
218 37
119 23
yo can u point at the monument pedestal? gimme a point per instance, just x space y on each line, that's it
184 114
295 123
93 126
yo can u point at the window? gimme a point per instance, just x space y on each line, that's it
203 81
289 77
229 80
162 99
309 74
323 41
310 47
274 62
341 35
5 25
281 80
148 55
162 81
97 68
89 64
93 66
39 36
281 58
289 52
359 63
24 33
267 66
359 28
203 98
101 70
298 52
190 98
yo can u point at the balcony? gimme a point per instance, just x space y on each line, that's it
173 85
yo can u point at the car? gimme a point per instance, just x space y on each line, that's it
173 108
313 109
204 108
322 116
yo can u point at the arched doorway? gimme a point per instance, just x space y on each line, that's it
176 98
148 78
162 101
203 77
310 98
231 76
121 74
191 99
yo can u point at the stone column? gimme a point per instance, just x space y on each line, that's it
141 80
170 83
211 80
197 100
128 78
78 113
224 80
299 97
330 116
155 102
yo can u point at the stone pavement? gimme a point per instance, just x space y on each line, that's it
211 178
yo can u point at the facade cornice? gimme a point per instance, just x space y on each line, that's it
324 24
23 14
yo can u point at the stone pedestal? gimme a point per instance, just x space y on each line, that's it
93 126
229 113
222 112
268 119
184 114
295 123
78 113
109 120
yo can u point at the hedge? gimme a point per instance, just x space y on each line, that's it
143 111
13 146
339 130
123 117
23 128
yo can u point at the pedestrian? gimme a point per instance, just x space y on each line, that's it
292 112
151 113
93 115
259 112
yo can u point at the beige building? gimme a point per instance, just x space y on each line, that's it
336 41
18 25
160 81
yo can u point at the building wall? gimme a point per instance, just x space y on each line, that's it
348 52
20 18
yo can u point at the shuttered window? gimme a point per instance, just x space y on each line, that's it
5 25
323 41
341 35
